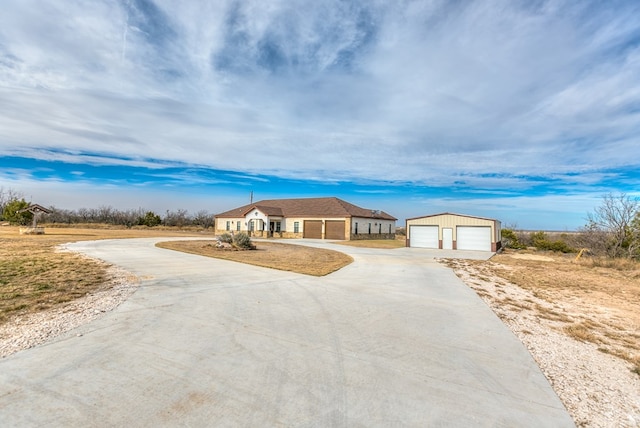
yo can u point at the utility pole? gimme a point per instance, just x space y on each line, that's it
251 197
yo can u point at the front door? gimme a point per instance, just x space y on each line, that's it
447 238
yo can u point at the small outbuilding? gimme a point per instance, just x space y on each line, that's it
450 231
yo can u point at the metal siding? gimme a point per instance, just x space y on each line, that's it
422 236
453 221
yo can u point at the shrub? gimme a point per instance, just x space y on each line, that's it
243 241
510 240
541 242
13 212
226 238
150 219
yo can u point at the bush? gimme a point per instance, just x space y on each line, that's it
510 240
226 238
13 212
150 219
541 242
243 241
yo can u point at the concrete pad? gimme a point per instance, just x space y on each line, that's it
394 339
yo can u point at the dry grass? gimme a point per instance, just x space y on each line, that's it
581 331
34 276
293 258
593 300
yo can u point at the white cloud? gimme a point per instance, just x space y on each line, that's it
414 91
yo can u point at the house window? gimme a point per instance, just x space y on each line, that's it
356 228
380 228
296 227
278 226
228 225
369 228
389 228
238 226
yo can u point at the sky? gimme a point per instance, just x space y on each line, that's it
525 111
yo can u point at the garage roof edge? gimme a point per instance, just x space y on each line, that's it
454 214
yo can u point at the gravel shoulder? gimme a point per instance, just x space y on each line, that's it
598 389
29 330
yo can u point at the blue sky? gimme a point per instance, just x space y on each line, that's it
526 111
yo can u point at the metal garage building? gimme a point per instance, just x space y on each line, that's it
454 232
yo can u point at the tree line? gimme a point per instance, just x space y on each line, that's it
12 203
612 228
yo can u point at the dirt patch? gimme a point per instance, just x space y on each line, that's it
579 319
287 257
531 257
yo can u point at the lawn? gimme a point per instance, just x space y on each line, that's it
287 257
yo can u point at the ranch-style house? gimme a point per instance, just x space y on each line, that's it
319 218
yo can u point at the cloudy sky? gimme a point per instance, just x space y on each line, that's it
526 111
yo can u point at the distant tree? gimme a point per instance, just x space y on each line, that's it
177 218
634 247
105 214
510 240
7 196
58 215
612 228
150 219
12 212
203 218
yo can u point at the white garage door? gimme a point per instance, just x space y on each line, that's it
474 238
423 236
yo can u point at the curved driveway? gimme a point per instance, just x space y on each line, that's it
394 339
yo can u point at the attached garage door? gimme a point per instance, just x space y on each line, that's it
312 229
334 229
474 238
423 236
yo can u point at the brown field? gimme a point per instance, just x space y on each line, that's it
590 299
34 276
287 257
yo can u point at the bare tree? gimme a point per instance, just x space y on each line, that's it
611 227
7 196
177 218
203 218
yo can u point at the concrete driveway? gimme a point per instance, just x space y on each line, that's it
393 339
